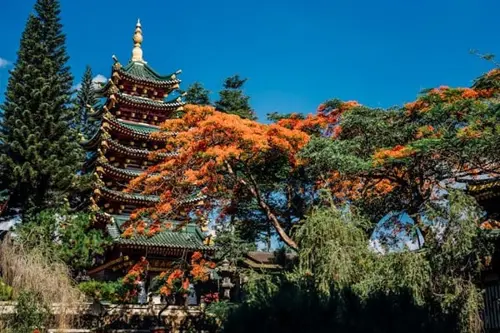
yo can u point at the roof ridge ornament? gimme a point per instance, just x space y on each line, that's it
137 50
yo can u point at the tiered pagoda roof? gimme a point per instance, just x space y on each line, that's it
140 72
125 145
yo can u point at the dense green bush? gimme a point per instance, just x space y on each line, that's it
5 291
64 235
100 290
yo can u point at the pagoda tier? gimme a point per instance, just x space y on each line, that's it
129 130
134 134
139 108
119 149
140 78
120 174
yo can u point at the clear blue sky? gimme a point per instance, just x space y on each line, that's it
296 54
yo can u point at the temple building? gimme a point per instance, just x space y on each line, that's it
136 103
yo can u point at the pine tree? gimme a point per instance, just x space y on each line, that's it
39 150
232 99
86 97
197 94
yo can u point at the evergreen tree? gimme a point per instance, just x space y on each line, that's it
197 94
86 97
232 99
39 150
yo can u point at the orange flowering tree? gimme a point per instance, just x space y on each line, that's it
326 120
178 279
397 159
130 282
171 282
223 160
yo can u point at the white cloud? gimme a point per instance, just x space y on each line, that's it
4 63
99 78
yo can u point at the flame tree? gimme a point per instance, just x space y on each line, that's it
226 160
399 159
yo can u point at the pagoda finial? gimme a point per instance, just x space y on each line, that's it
137 51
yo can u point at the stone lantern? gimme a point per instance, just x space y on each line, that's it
226 272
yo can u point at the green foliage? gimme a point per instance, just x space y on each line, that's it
333 248
445 132
444 275
295 306
339 279
275 116
30 313
86 99
232 99
39 150
101 290
6 291
230 245
197 94
68 237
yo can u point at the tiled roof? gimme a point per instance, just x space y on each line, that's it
152 104
265 260
126 174
139 127
135 152
134 130
142 72
134 198
189 237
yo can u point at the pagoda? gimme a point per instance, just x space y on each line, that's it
136 103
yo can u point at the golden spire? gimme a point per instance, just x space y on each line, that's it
137 51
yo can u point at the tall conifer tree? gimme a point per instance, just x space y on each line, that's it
233 100
39 150
86 97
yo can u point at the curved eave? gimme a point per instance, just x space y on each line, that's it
118 173
127 131
129 198
167 83
97 114
103 91
146 103
139 244
93 142
135 152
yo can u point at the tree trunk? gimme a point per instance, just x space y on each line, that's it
265 207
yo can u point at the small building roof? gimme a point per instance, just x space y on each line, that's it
266 260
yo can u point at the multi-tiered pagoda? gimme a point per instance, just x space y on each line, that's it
135 104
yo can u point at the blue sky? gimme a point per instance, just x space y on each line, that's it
296 54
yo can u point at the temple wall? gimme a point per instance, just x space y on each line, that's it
124 317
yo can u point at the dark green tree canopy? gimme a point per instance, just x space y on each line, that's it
233 100
86 99
197 94
39 150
